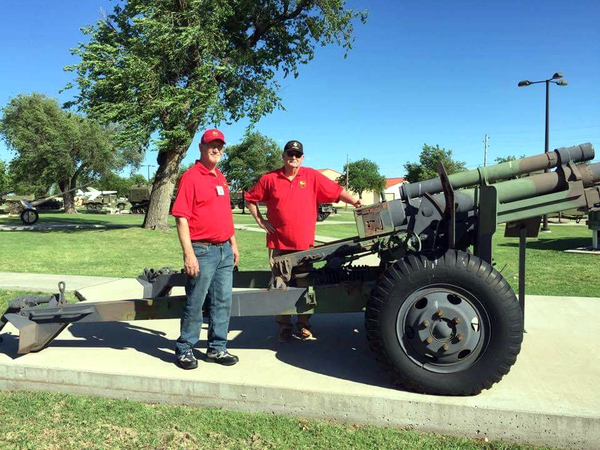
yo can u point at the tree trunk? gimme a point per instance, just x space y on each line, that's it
162 189
68 197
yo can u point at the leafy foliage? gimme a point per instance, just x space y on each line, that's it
110 181
4 180
166 68
247 161
503 159
426 168
362 175
55 146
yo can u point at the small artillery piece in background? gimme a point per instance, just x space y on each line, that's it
438 315
27 208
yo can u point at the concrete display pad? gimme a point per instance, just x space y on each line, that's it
549 397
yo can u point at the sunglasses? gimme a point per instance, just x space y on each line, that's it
292 153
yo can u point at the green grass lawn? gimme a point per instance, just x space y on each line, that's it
46 420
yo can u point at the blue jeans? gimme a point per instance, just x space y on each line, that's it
214 283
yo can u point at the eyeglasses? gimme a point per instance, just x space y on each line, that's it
217 147
293 153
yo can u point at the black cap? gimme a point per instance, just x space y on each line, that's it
294 145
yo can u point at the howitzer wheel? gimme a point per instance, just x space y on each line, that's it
29 216
447 325
322 216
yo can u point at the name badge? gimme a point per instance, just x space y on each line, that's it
220 190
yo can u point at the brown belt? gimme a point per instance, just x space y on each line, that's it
216 244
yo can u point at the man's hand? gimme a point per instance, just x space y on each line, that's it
266 225
190 263
236 252
357 203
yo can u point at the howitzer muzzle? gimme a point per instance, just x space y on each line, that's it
510 169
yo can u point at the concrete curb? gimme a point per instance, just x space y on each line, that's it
424 415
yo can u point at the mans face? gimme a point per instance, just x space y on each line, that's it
292 159
212 152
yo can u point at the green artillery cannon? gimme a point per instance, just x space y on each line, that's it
27 207
438 315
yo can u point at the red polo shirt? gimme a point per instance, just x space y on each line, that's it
292 205
203 199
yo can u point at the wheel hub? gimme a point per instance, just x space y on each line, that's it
442 330
436 327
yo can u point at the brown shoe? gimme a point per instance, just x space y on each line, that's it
304 334
285 334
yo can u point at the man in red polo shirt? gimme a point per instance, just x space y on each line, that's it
292 195
205 228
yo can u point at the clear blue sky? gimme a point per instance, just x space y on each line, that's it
434 72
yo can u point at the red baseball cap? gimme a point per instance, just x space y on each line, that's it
212 135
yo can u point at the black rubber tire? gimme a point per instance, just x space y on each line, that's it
322 216
485 292
29 216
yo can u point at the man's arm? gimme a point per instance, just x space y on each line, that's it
234 248
346 197
260 220
190 262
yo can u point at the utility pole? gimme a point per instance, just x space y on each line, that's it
485 150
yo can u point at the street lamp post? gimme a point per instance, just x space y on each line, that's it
148 166
556 76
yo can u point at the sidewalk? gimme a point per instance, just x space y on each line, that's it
550 397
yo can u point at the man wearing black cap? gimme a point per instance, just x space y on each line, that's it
205 228
292 194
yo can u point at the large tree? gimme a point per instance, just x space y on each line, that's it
165 68
246 162
426 168
362 175
55 146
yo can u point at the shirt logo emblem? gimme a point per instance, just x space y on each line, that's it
302 184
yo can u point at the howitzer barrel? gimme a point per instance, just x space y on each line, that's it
523 188
560 156
508 191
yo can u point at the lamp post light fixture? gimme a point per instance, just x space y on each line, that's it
557 76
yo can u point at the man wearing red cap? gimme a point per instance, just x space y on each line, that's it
292 194
205 227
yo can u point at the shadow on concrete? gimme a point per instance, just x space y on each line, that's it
341 350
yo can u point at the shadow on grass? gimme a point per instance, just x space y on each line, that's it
341 350
560 244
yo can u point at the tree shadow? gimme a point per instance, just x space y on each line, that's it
558 244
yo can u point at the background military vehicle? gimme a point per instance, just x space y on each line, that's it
324 210
139 197
106 201
236 199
